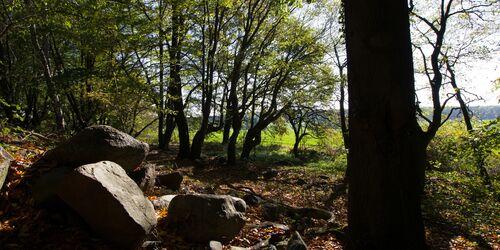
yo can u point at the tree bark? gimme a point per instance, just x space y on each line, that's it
208 82
175 88
386 157
161 108
51 88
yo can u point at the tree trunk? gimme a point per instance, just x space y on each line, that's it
252 139
227 129
169 130
175 87
51 89
161 108
386 158
478 155
296 146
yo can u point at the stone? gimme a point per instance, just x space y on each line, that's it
238 248
46 186
151 245
163 201
239 204
215 245
269 174
110 203
99 143
296 242
171 180
311 212
252 199
203 217
273 211
145 177
5 161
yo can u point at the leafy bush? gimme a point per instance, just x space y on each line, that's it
454 149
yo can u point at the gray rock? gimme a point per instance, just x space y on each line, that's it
272 211
45 188
252 200
163 201
296 242
312 212
145 177
215 245
171 180
201 217
99 143
109 202
239 204
151 245
239 248
269 174
5 160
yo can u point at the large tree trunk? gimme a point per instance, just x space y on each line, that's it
386 158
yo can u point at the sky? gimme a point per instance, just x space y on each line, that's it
477 77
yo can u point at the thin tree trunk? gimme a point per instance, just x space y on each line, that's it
175 84
478 155
51 89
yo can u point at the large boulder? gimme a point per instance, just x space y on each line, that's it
110 203
202 217
45 188
99 143
5 160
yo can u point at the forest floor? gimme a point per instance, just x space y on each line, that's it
456 215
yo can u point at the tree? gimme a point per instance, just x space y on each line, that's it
283 72
386 158
211 26
440 54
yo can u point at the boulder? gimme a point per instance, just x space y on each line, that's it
202 217
99 143
110 203
45 188
296 242
171 180
145 177
163 201
5 160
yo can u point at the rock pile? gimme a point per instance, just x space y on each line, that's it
90 175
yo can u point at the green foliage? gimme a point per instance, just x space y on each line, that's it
460 201
454 149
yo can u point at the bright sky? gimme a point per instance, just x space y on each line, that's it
478 77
